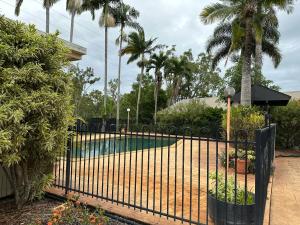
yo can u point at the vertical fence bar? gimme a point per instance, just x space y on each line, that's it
84 162
227 145
168 176
76 155
142 167
135 168
199 177
124 169
207 177
161 172
148 170
175 192
98 166
258 174
89 161
119 165
235 176
68 165
130 158
182 183
191 175
114 161
108 165
154 178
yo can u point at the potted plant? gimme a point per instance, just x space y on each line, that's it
237 208
245 160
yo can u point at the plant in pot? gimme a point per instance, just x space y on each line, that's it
229 204
241 155
245 161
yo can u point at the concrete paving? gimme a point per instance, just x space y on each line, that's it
285 199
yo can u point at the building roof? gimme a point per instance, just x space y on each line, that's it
261 95
295 95
209 101
76 51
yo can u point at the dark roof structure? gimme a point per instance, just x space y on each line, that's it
264 96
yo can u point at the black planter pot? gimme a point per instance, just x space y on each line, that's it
236 214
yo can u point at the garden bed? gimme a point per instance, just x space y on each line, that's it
37 212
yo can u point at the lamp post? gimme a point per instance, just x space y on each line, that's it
228 92
128 112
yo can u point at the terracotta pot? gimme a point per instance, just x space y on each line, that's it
241 166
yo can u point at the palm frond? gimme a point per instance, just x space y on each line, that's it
272 51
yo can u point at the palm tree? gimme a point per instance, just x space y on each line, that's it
73 6
265 15
221 43
47 5
240 14
125 16
175 70
158 63
106 20
138 47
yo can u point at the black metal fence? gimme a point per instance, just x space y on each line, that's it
265 153
171 173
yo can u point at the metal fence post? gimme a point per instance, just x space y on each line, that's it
258 174
68 165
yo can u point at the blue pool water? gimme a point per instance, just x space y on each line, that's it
115 145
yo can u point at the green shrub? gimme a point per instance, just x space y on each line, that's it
35 109
194 114
240 191
287 119
244 118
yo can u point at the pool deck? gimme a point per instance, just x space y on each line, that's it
156 172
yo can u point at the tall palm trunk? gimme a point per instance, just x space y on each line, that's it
47 16
246 69
119 76
105 71
140 90
258 40
72 26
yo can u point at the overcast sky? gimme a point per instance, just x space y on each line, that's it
173 22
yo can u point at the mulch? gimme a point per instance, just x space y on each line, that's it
42 209
30 213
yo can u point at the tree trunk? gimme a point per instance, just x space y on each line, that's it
105 71
139 93
246 69
176 90
258 39
72 26
119 77
47 16
156 89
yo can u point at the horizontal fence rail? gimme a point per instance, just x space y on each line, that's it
171 174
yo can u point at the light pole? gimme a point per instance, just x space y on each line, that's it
228 92
128 112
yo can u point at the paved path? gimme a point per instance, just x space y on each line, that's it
285 200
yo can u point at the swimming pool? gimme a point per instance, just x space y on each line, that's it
115 145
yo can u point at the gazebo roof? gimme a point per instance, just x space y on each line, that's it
261 95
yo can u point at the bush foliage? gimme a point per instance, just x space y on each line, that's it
288 125
35 108
194 114
244 121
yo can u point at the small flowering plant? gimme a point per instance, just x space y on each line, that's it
73 212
